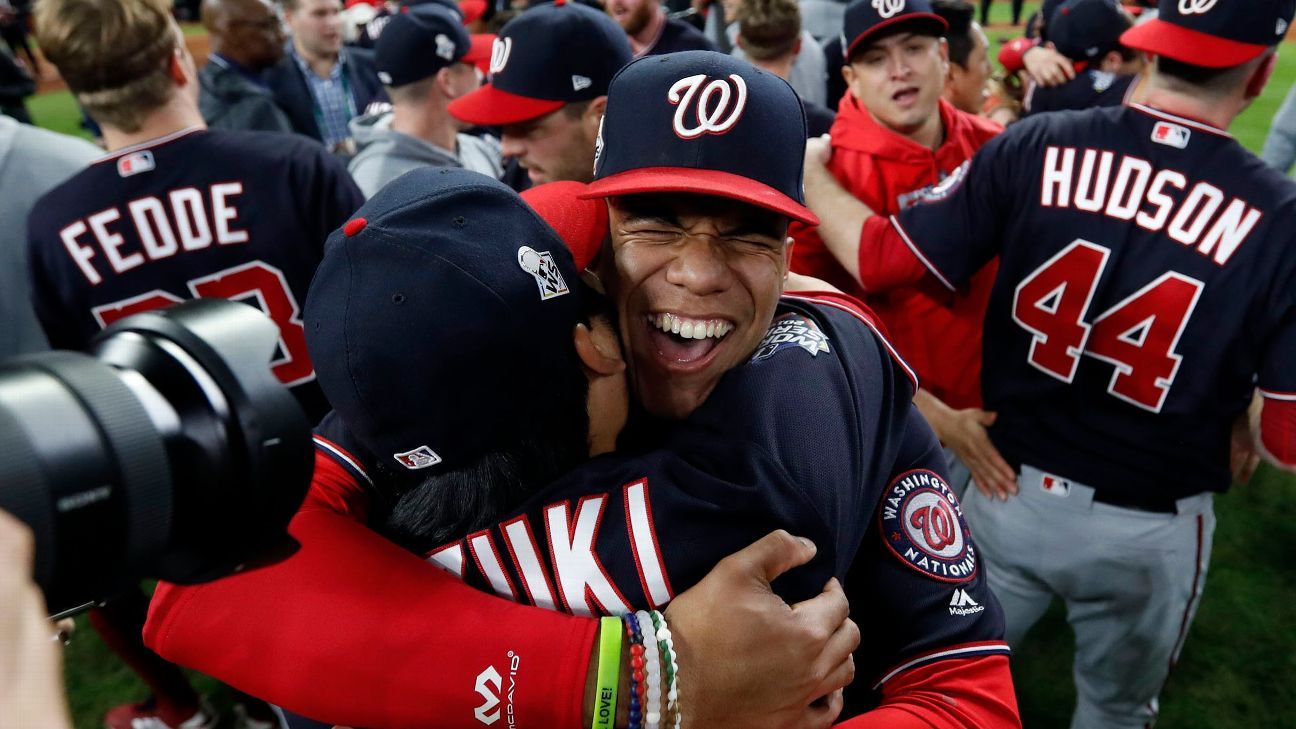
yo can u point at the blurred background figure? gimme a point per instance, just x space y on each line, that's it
16 84
651 32
771 37
1087 33
1016 12
246 39
807 70
967 84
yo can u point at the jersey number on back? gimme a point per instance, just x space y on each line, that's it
1138 335
256 283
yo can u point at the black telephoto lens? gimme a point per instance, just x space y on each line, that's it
168 450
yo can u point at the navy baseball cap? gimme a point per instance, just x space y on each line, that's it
1213 33
1047 8
706 123
435 313
1087 30
865 19
415 45
543 59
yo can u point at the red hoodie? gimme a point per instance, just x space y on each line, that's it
937 332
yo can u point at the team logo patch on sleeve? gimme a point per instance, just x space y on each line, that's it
791 331
922 525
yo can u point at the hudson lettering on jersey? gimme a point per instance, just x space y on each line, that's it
154 228
580 585
1193 214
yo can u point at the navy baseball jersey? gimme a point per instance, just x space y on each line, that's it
1147 285
239 216
816 434
1089 88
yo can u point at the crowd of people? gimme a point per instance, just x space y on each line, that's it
758 363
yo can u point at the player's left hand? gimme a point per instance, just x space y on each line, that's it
818 153
965 433
1244 456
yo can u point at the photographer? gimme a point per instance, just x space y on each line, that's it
31 690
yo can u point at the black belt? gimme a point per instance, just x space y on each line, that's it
1138 503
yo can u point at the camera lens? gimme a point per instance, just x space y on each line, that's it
168 451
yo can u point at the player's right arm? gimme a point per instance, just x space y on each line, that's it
1277 384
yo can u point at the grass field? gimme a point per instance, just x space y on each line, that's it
1239 666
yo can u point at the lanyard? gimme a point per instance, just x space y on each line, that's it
346 92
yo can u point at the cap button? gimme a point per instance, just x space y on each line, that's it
354 226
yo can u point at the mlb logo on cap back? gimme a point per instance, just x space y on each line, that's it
1213 33
688 122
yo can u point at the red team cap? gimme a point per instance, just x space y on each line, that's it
866 19
705 123
1212 33
479 50
582 223
544 59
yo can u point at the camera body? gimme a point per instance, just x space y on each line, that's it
169 450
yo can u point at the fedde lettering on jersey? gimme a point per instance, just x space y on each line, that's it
1128 188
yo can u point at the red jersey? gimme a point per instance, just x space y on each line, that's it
937 331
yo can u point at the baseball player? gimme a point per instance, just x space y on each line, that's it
1107 73
1144 292
173 212
549 73
895 138
647 522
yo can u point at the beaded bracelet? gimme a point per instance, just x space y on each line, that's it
670 662
653 708
635 634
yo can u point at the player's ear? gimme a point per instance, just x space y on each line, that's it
1261 77
943 49
593 115
176 69
598 348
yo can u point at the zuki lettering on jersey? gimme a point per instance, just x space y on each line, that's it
579 585
1128 188
188 219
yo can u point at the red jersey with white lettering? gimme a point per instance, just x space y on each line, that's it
633 529
1147 285
937 331
239 216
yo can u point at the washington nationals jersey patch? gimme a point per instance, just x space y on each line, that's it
922 524
791 331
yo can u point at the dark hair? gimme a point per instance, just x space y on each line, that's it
958 14
438 509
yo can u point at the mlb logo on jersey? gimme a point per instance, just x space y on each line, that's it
421 457
1051 484
136 163
1171 135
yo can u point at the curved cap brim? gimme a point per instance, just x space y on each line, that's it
1189 46
929 21
490 107
701 182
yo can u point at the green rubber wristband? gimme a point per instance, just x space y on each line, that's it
609 673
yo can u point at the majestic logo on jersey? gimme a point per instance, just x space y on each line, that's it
445 47
421 457
135 163
791 331
715 106
500 51
962 604
489 684
1171 135
544 270
922 525
1196 7
888 8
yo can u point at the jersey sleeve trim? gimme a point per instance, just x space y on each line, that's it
904 236
965 650
1272 395
835 301
343 458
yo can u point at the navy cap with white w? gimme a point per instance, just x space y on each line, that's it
706 123
1213 33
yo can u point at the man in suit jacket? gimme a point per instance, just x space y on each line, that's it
319 84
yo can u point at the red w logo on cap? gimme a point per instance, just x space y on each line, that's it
717 108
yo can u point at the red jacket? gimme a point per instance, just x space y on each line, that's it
937 332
